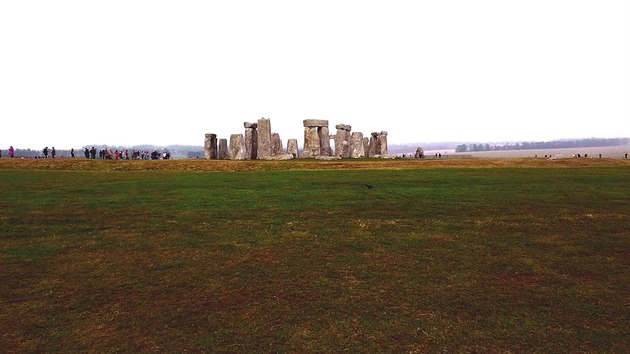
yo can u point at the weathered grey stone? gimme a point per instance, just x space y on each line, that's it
292 147
249 125
324 141
283 156
224 153
251 141
382 142
366 146
345 149
327 158
356 148
315 123
264 139
373 149
210 147
343 134
237 147
311 143
276 144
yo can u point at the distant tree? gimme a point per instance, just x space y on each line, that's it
461 148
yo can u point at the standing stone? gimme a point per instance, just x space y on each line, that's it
343 134
345 149
237 147
316 142
264 139
382 142
356 148
324 140
374 150
251 141
312 146
276 144
224 153
292 147
366 146
210 147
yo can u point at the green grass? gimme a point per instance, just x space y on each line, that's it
471 259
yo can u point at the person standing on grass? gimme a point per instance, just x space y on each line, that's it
53 152
11 152
45 152
72 152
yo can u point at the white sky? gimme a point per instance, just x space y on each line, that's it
128 72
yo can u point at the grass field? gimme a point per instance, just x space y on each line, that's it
475 255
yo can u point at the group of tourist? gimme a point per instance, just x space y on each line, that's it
108 154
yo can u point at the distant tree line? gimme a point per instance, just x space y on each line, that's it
558 144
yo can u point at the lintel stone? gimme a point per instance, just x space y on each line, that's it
315 123
250 125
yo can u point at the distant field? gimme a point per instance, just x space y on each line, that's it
612 152
458 255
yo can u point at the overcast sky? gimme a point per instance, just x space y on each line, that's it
83 72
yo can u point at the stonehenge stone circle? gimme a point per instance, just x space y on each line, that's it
237 147
224 153
259 143
210 147
264 139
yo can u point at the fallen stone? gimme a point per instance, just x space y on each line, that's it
283 156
